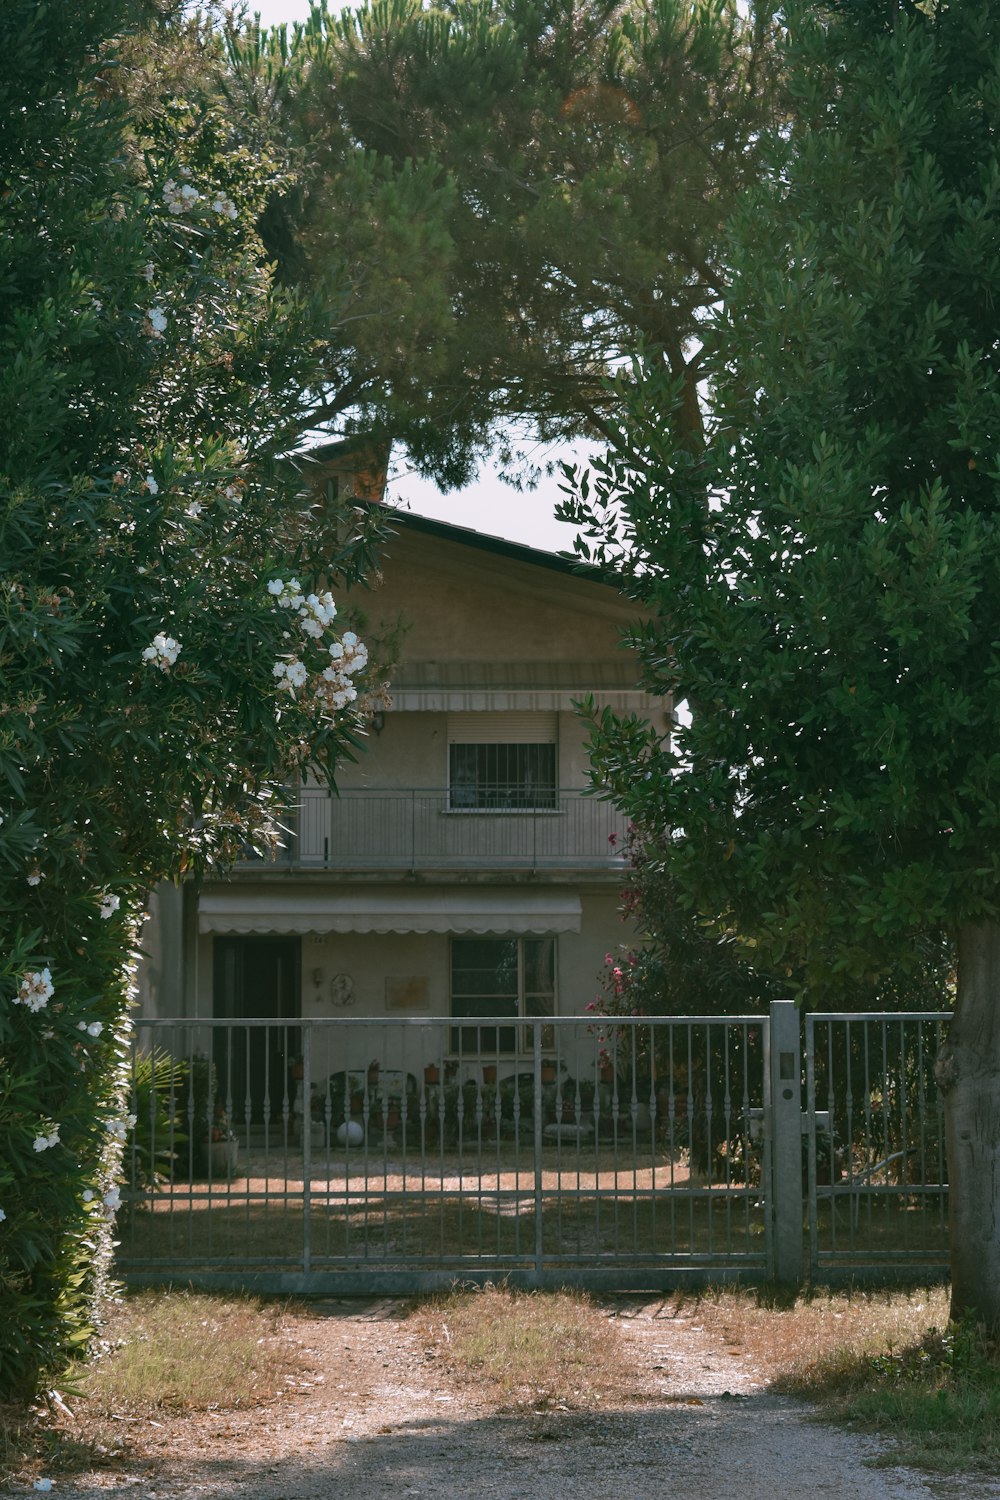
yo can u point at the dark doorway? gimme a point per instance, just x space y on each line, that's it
256 978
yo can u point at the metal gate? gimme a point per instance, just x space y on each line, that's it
406 1154
877 1177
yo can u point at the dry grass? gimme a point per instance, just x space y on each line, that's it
162 1354
534 1351
791 1341
184 1351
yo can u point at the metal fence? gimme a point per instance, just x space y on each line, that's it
411 828
368 1154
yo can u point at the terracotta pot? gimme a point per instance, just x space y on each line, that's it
432 1074
548 1072
357 1103
607 1073
373 1075
490 1073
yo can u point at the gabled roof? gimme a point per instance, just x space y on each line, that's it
333 455
466 536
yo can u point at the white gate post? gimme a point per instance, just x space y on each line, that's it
785 1133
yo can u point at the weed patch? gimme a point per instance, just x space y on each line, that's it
530 1350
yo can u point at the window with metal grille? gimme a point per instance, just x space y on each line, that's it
511 976
502 777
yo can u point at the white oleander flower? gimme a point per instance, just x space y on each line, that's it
157 320
163 652
178 198
35 990
109 904
150 484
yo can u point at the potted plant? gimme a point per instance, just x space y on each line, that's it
223 1147
432 1075
548 1071
490 1073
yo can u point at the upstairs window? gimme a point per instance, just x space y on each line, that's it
503 777
502 762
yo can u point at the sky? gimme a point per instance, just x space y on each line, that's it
488 505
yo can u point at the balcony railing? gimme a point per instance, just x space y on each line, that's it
417 828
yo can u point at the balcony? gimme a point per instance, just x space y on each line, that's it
419 829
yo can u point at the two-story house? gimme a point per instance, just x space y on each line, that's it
459 870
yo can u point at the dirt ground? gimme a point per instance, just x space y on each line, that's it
377 1413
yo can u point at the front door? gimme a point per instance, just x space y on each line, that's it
256 978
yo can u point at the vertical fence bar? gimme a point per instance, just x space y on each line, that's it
306 1127
536 1052
811 1120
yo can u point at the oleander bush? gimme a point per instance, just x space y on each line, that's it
164 660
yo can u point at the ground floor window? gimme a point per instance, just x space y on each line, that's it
512 976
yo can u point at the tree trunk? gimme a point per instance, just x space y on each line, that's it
968 1072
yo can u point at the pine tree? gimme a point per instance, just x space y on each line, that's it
514 195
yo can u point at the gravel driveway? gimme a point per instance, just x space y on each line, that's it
376 1417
